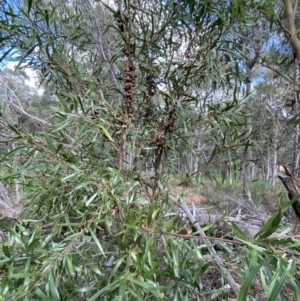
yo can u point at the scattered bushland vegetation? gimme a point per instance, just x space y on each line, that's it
144 162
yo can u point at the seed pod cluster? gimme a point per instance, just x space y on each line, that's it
158 141
150 92
167 125
123 20
129 86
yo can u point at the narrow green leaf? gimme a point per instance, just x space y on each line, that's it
52 12
253 246
239 232
29 41
276 288
246 285
270 226
108 288
70 265
6 53
96 240
289 204
41 294
46 14
50 143
150 287
14 128
214 152
75 168
296 288
5 250
133 256
32 245
91 199
106 133
53 289
69 177
254 258
263 279
64 104
14 151
175 260
29 6
13 233
18 295
83 185
23 275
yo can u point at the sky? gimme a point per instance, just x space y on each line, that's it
32 80
32 77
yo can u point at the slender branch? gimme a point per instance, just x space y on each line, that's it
18 107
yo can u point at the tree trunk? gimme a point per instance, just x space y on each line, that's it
292 185
275 164
295 150
292 35
294 163
247 153
251 38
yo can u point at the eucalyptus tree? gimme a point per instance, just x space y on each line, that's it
127 78
290 30
281 60
273 135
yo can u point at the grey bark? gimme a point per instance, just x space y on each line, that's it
292 35
10 207
255 42
247 153
292 185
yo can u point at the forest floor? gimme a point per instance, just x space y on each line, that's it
227 196
224 201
